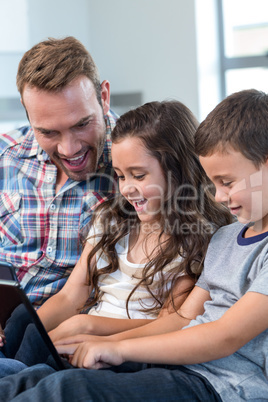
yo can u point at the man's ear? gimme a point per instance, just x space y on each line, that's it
105 96
21 101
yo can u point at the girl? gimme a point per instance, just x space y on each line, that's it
146 247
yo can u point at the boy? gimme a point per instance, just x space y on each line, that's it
223 346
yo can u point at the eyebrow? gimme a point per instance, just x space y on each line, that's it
221 177
81 121
131 168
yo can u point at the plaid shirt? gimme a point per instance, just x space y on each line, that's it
40 230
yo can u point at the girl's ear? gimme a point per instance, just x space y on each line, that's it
105 96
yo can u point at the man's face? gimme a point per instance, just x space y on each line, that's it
69 125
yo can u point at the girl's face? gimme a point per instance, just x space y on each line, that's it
141 179
240 185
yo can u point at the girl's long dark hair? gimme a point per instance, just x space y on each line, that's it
189 216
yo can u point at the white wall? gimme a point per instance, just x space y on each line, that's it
148 46
23 23
13 42
58 18
138 45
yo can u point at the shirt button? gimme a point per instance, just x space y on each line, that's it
49 179
52 206
49 249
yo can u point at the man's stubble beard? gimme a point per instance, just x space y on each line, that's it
92 166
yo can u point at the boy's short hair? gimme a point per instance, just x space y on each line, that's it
239 121
52 64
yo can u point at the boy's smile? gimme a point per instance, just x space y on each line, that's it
240 185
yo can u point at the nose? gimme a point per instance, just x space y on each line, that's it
221 195
69 145
127 188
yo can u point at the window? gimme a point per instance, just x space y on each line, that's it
243 39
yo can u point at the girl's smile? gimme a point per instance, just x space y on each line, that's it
139 205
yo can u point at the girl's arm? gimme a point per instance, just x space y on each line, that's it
104 326
93 325
193 306
180 292
168 323
71 298
242 322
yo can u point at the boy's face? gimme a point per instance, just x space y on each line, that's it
240 185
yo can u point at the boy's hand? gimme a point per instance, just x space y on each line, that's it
92 355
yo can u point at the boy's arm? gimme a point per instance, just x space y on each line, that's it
245 320
71 298
242 322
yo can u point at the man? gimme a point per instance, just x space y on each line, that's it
55 172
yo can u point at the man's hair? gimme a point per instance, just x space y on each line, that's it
240 121
52 64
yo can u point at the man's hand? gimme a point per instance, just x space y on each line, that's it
2 337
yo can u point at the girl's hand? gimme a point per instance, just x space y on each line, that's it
79 339
93 355
70 327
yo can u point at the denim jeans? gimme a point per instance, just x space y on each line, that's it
124 383
24 346
14 332
9 366
23 340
